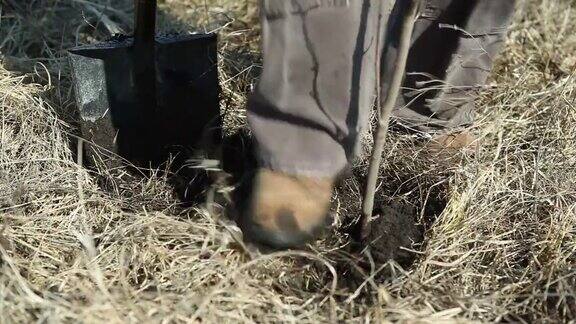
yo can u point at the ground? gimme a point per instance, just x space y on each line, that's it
80 245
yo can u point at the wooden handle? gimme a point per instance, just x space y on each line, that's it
145 20
144 55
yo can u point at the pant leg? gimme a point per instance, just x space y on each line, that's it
317 85
453 50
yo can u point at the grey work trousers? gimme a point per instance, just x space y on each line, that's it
317 88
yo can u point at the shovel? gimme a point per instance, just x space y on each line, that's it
147 99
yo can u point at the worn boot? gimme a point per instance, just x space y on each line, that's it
286 211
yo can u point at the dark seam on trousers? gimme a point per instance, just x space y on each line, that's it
357 63
315 93
267 111
299 8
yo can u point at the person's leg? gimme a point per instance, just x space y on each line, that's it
312 102
454 46
317 85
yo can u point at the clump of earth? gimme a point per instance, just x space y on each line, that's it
395 231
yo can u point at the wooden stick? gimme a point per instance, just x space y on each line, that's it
408 18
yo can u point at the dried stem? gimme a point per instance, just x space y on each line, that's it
408 18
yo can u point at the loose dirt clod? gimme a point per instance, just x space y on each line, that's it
394 233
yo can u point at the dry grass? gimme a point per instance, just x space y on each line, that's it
504 249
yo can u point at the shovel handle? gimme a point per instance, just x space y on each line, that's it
144 56
145 20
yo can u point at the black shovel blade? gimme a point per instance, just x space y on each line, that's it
117 118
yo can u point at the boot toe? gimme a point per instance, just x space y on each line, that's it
286 211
